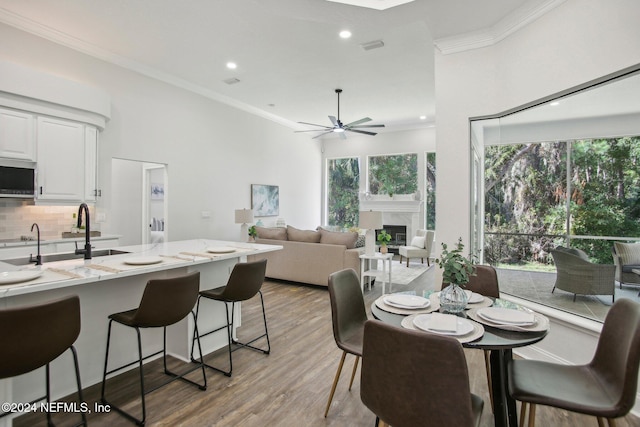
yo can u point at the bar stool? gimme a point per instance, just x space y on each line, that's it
164 303
33 336
244 283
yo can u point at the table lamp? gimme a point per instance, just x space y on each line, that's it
244 217
370 221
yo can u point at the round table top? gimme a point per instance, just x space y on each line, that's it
493 338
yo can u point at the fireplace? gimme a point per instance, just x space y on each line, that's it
398 236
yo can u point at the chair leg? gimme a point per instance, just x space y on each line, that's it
48 386
407 261
600 421
197 336
487 366
612 422
80 398
353 374
574 297
421 260
400 259
335 383
532 414
554 288
266 332
523 413
175 376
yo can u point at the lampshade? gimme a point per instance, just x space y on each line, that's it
244 216
370 220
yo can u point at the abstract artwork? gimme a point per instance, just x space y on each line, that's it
265 200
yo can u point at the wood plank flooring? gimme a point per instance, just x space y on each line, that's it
289 387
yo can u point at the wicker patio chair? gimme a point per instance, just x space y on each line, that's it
626 257
575 273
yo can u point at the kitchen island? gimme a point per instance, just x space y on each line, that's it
109 284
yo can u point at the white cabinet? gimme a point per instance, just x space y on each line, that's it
17 139
64 147
91 191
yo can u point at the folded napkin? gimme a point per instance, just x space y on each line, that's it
443 322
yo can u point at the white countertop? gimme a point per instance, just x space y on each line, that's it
20 243
173 254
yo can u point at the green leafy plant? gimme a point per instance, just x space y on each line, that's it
384 238
456 267
253 232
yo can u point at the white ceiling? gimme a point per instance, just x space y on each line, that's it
290 58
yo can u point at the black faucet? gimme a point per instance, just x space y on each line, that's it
38 259
87 243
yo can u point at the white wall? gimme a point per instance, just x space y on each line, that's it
213 152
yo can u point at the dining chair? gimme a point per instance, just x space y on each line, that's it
164 302
412 378
244 283
605 387
348 315
484 281
34 336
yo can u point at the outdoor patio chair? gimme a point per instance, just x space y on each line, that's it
576 274
626 257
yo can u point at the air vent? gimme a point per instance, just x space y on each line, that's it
372 45
231 81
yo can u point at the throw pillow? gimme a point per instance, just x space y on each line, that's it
297 235
271 233
418 242
332 238
360 241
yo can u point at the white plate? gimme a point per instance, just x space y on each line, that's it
506 316
464 326
7 277
406 301
221 250
143 260
473 298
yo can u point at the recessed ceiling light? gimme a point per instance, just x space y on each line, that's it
345 34
554 103
232 65
423 117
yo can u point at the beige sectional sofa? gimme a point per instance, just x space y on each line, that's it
308 256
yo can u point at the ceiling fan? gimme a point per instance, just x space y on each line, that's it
339 127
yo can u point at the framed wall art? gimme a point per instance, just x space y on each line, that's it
265 200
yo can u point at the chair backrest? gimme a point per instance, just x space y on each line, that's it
429 238
484 281
348 312
167 301
411 378
245 281
617 356
628 253
34 335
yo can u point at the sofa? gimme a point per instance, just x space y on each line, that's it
308 256
626 257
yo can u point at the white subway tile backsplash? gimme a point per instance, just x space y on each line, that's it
16 219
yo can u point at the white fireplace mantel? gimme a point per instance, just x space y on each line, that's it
390 205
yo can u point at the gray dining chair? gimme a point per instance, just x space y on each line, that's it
412 378
605 387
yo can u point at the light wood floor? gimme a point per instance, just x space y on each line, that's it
289 387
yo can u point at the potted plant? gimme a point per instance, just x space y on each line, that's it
456 270
383 239
252 233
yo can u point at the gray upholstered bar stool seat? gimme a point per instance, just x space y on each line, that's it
411 378
244 283
35 335
164 302
605 387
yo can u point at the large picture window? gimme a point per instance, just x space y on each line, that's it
393 174
430 191
343 183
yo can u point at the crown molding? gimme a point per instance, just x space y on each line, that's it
508 25
71 42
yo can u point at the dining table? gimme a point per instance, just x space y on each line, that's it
498 341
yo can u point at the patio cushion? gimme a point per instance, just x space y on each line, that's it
629 253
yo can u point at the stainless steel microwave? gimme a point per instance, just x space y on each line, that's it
17 182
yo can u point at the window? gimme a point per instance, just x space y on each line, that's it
430 192
343 183
393 174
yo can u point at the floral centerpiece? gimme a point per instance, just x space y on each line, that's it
383 239
456 270
253 233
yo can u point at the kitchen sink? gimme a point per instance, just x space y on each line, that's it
65 256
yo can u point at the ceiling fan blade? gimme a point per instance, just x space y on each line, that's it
323 133
357 122
361 131
314 130
365 126
342 135
313 124
334 121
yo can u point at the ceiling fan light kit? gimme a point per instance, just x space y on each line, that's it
340 128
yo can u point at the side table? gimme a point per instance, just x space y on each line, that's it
366 272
